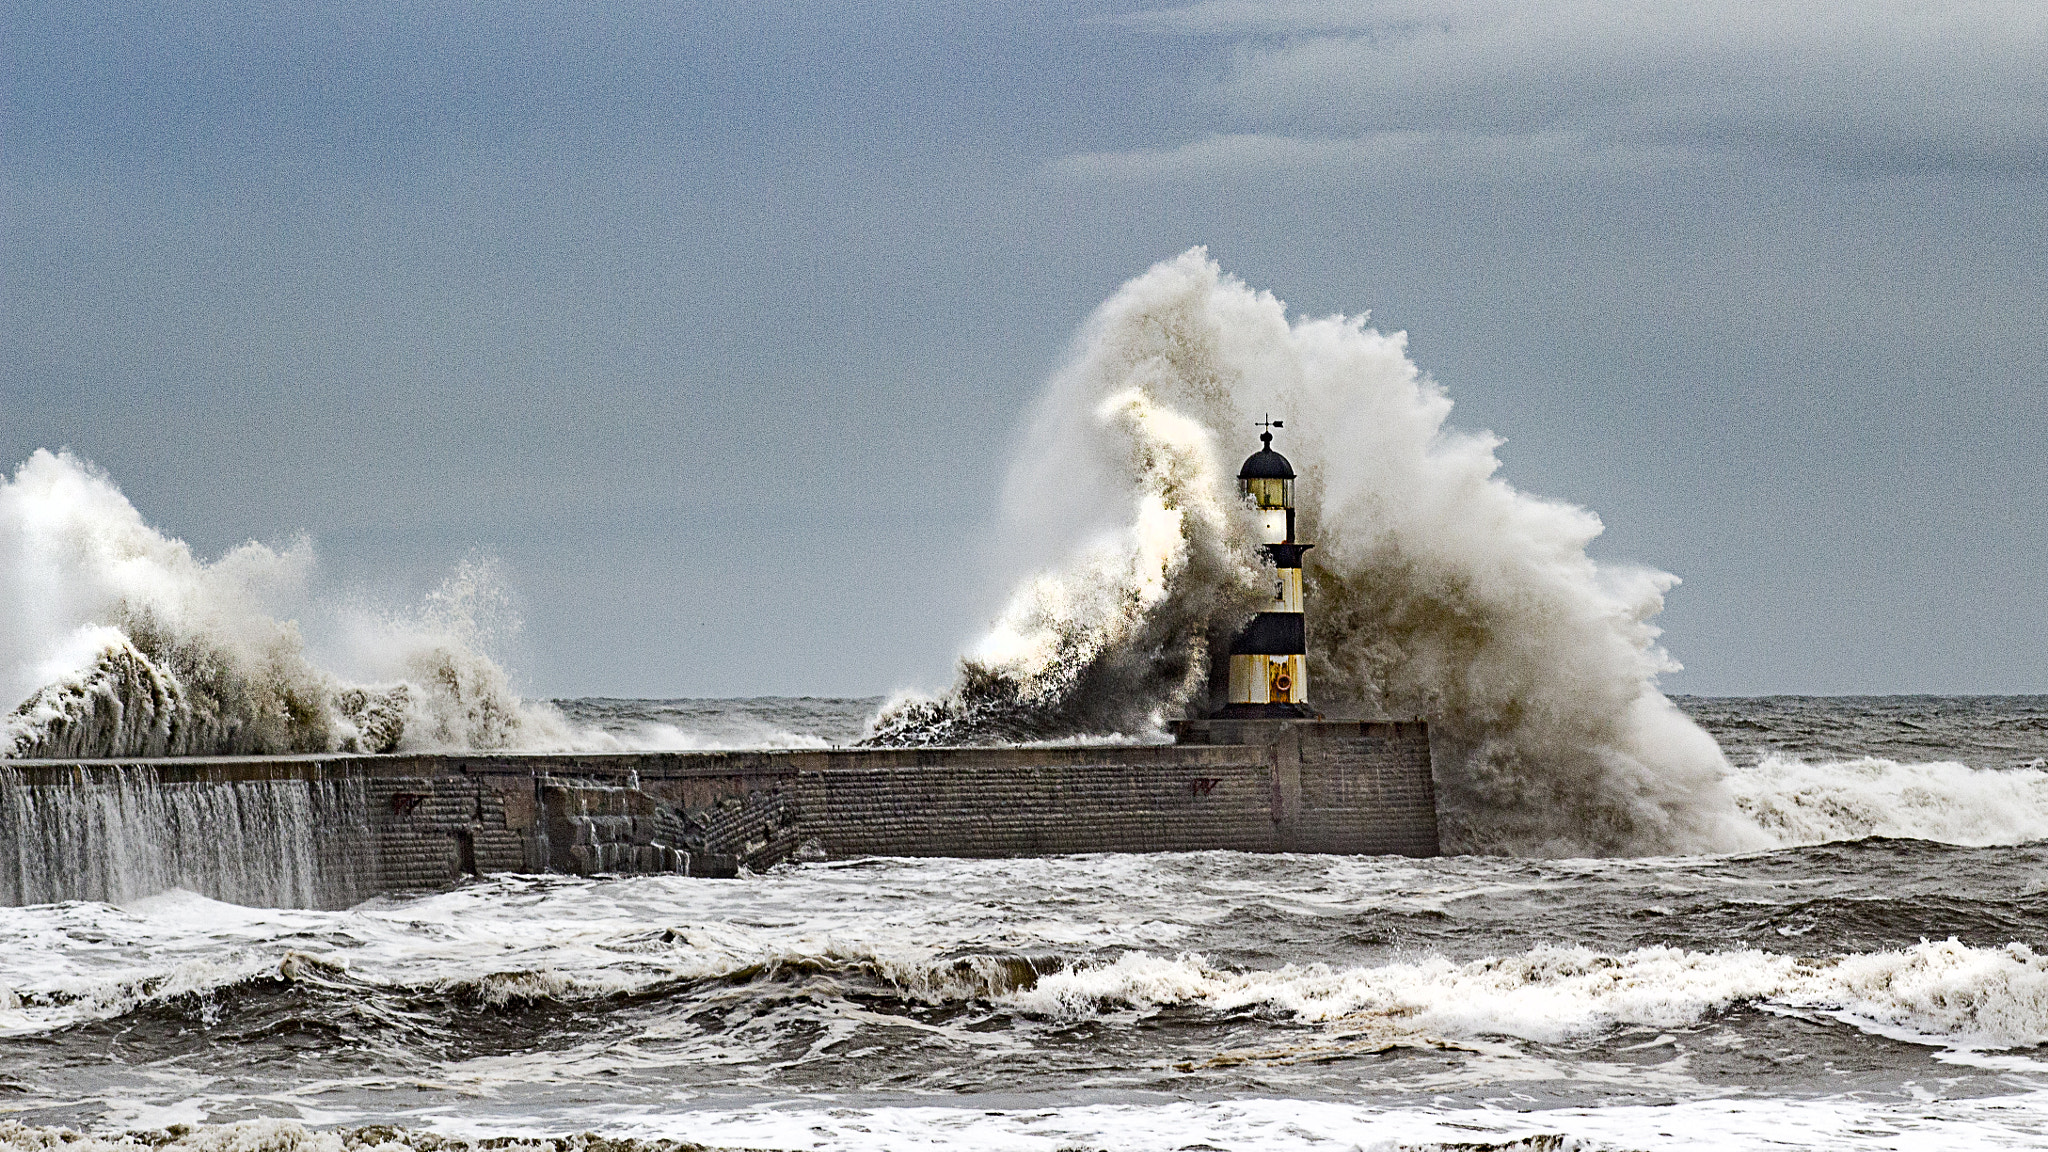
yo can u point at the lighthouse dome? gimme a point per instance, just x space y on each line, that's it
1266 464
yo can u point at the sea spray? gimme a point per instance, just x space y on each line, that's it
118 641
1110 643
1435 588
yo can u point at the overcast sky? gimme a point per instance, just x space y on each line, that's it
716 325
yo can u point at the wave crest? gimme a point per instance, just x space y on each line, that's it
1938 992
118 641
1117 639
1798 802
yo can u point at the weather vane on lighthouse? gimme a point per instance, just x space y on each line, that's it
1268 660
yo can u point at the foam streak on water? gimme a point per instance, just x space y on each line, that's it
1266 1125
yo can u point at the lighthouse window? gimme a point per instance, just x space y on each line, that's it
1270 492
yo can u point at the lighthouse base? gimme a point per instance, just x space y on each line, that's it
1338 785
1265 712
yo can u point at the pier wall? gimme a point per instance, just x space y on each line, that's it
333 830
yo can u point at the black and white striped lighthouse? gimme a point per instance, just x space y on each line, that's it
1268 660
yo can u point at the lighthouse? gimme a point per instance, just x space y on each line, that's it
1268 660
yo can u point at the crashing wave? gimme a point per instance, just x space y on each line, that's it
1118 639
121 703
124 703
1435 588
119 642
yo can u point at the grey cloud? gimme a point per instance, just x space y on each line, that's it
1389 155
1884 86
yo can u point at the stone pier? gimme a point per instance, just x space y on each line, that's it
332 830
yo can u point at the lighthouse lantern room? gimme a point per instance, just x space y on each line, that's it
1268 660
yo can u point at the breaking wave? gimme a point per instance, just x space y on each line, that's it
1435 588
654 964
1796 802
1936 992
118 641
1115 639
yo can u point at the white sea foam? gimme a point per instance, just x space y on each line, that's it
1941 992
1110 935
28 1011
1801 802
495 944
1257 1124
1437 589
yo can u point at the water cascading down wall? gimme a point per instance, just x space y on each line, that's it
328 831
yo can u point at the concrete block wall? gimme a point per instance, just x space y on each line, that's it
426 830
1368 791
407 822
1363 787
1040 801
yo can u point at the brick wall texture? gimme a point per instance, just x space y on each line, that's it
407 822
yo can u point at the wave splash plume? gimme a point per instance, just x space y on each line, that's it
1437 589
118 641
1106 645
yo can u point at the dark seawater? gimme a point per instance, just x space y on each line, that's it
1873 991
1981 731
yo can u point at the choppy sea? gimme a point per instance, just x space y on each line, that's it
1879 982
